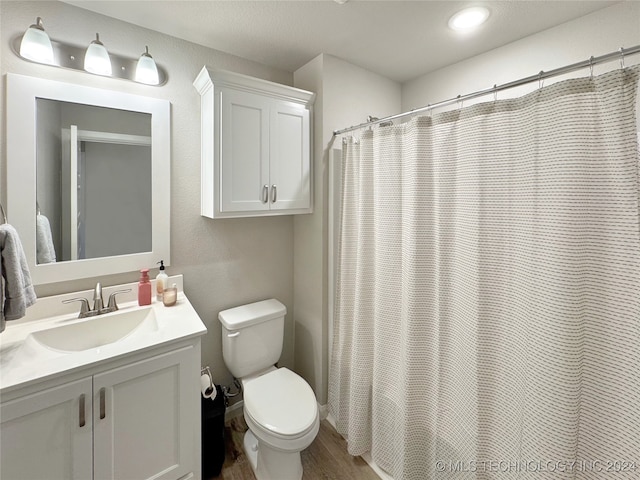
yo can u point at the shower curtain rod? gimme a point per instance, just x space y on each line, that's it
619 54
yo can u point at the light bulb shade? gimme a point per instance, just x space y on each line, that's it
96 59
35 44
146 70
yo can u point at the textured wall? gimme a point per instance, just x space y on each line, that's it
347 94
225 262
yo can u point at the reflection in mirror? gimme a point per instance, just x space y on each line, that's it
94 183
42 116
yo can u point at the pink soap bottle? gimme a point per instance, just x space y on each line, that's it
144 288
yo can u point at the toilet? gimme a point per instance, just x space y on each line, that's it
280 407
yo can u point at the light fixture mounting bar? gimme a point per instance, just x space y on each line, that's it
72 57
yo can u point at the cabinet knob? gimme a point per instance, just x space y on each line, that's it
274 193
265 193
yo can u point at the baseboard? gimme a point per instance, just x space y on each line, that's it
323 411
331 420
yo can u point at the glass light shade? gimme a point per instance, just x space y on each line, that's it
146 70
469 18
35 44
97 60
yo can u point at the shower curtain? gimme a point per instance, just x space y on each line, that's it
487 320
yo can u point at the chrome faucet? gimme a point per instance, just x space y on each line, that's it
98 303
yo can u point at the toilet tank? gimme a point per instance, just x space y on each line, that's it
252 336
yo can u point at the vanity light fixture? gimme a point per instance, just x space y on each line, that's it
96 59
146 69
468 19
36 45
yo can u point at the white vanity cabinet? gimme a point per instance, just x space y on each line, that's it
48 434
256 146
135 419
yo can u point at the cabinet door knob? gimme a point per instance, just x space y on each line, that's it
265 193
81 422
274 193
102 403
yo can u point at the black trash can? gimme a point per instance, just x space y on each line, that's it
213 435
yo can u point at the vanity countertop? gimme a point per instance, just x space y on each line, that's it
25 361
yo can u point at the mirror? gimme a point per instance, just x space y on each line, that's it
93 188
88 178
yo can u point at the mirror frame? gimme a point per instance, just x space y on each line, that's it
22 92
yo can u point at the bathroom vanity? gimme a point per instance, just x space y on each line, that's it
110 396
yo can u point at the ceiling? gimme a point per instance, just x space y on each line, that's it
398 39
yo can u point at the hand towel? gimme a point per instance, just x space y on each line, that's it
18 290
45 251
2 322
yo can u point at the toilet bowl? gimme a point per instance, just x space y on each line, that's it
280 407
282 415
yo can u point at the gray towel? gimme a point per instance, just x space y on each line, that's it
45 251
18 290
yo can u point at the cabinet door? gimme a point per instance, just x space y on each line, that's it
145 416
47 435
290 152
244 150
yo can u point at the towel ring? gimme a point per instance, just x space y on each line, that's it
4 215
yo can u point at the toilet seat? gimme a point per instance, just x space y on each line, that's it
281 404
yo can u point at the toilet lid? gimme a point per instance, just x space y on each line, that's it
281 401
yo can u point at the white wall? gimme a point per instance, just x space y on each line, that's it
346 95
595 34
225 262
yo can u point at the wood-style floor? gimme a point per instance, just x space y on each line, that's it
325 459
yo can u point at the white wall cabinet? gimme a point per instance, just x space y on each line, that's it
134 421
256 146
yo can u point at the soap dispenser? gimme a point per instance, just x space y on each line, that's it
161 281
144 288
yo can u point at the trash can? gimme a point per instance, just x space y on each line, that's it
213 435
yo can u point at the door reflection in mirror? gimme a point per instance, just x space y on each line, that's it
93 168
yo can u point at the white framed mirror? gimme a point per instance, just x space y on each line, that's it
88 178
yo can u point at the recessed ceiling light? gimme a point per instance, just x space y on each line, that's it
469 18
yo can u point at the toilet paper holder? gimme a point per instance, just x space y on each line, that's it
207 384
207 372
207 387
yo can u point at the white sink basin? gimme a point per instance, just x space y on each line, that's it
97 331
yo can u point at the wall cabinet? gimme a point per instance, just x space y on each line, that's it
256 146
133 421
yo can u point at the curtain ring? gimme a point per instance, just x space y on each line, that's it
540 80
495 92
621 57
591 67
459 101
